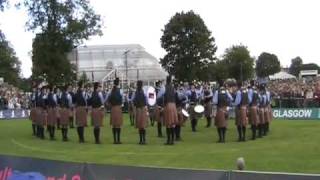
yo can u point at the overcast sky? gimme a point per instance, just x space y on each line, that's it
287 28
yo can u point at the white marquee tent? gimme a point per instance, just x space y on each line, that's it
282 75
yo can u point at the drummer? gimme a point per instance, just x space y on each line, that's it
193 100
207 97
181 100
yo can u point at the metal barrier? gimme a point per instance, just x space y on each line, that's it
295 102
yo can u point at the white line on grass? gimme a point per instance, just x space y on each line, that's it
33 148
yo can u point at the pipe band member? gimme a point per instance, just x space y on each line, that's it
207 99
253 109
66 106
116 120
170 110
241 103
222 98
81 111
97 113
193 100
140 102
52 103
181 100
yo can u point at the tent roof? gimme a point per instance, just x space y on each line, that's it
282 75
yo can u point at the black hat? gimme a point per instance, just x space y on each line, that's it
116 82
96 85
139 84
169 79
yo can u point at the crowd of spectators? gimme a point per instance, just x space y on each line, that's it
294 93
12 98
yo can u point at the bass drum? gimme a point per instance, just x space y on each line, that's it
151 96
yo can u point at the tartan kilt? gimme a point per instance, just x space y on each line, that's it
208 109
97 115
71 112
116 119
33 115
131 109
241 116
270 113
58 112
81 116
40 116
192 113
181 118
261 115
52 116
141 118
266 115
158 114
170 115
220 120
253 115
64 116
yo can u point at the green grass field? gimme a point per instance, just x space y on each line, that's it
291 146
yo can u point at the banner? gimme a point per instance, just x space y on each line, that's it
14 114
59 170
299 113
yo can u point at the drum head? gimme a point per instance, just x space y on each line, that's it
185 113
199 109
151 96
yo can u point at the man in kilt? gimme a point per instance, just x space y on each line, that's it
222 98
193 100
71 112
170 110
253 108
131 107
140 102
159 109
263 115
65 108
207 100
269 110
116 120
181 100
52 103
97 113
41 113
241 103
33 112
81 111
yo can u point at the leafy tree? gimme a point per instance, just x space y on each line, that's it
189 45
310 66
267 64
9 63
295 66
84 78
239 62
63 25
221 70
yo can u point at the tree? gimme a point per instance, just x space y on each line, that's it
221 70
189 45
84 78
9 63
295 66
239 62
267 64
310 66
62 26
